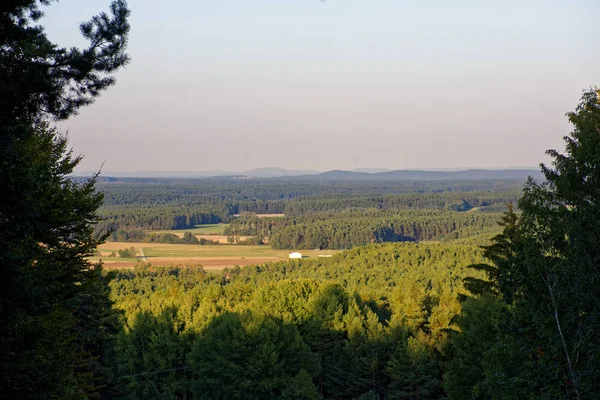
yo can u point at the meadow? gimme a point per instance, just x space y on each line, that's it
199 230
212 232
213 257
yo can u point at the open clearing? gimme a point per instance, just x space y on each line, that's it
206 229
210 256
212 232
215 238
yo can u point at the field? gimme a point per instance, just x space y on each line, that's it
207 229
210 257
212 232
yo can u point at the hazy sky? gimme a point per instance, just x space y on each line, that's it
340 84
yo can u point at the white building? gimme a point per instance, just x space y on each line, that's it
296 255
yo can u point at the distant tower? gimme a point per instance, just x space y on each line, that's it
402 161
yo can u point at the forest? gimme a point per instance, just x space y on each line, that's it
348 210
370 322
345 230
412 308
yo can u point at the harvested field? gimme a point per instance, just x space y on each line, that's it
210 256
216 263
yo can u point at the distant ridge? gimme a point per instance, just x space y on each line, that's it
371 170
160 174
470 174
267 172
376 174
464 174
272 172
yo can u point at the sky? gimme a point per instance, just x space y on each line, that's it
335 84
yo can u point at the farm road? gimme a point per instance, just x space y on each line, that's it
144 259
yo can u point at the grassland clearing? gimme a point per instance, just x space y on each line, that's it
212 232
209 256
215 238
205 229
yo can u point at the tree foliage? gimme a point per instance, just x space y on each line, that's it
332 326
544 277
41 79
53 309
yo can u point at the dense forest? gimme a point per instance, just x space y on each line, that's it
345 230
131 208
514 319
192 192
369 322
450 200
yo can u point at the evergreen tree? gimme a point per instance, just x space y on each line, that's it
38 78
151 359
545 342
561 234
255 358
46 218
414 372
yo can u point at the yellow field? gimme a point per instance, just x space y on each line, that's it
210 257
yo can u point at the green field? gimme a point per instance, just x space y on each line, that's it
206 229
179 250
209 256
116 246
116 259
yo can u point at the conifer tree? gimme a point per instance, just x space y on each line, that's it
545 273
45 216
561 229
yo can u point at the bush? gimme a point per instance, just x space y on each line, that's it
189 238
127 253
251 241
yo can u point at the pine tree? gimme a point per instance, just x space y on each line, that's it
46 216
248 357
561 234
413 371
545 273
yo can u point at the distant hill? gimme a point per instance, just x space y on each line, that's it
471 174
341 175
160 174
254 173
272 172
371 170
373 174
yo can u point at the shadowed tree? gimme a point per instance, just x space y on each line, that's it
39 78
544 272
244 357
45 216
